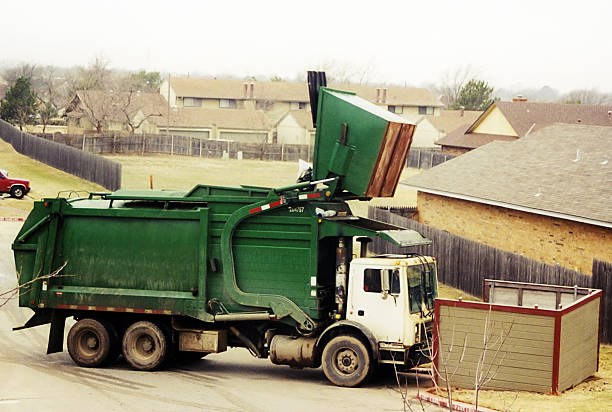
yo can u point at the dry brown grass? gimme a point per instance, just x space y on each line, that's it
449 292
45 181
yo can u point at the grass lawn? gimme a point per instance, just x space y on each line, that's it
45 181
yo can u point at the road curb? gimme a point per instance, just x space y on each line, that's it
457 406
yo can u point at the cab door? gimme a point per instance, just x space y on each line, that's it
376 303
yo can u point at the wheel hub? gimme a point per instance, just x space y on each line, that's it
347 361
146 344
91 342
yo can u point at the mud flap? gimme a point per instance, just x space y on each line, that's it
56 333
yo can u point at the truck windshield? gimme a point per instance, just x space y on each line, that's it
423 286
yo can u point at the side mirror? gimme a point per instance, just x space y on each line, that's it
385 277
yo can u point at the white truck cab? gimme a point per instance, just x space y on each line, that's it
393 297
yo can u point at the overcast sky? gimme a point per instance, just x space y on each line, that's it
511 44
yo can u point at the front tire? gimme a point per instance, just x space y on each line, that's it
89 343
144 346
17 192
346 361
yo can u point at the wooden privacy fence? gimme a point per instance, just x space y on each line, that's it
464 264
94 168
420 158
183 145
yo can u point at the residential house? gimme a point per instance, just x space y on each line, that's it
278 98
546 196
407 102
295 127
508 121
249 126
98 111
451 120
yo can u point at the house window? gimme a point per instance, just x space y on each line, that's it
396 109
192 102
227 103
426 110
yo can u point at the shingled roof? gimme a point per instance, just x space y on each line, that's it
194 117
301 117
527 117
563 171
450 120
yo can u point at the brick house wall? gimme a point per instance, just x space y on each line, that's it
547 239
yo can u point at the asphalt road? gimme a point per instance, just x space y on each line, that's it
230 381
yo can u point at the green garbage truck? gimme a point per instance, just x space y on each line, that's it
153 275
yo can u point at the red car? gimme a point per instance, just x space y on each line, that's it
18 188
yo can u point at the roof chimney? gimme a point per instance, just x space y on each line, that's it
519 98
377 94
384 96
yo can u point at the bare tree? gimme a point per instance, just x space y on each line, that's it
587 96
95 76
338 72
46 111
451 84
135 112
490 358
97 107
27 70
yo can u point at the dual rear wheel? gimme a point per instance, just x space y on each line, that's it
93 343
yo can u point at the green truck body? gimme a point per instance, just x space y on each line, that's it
244 266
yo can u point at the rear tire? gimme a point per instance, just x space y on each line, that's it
17 192
346 361
89 343
144 346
